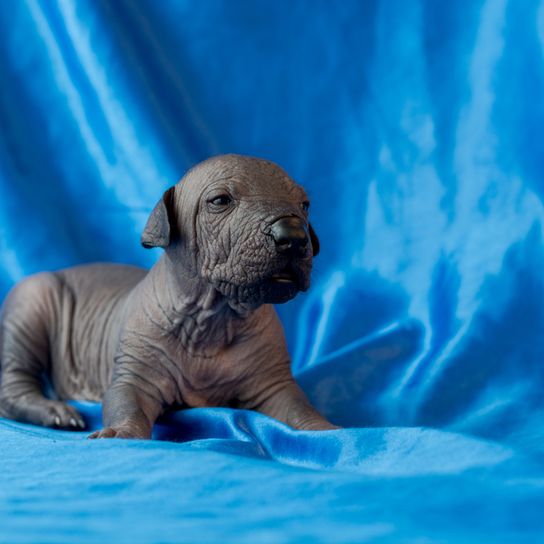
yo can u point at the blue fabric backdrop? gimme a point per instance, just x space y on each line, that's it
417 129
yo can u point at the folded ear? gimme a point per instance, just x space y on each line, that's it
158 229
314 240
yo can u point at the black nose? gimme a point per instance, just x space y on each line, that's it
290 235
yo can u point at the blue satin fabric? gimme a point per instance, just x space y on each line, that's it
416 128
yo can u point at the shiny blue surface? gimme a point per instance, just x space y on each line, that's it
417 129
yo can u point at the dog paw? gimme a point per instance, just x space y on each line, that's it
112 432
59 415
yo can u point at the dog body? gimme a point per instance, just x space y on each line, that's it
198 329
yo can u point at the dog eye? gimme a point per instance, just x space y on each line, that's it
305 205
221 200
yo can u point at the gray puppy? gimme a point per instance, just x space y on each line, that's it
198 329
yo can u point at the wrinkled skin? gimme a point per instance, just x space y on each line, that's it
198 329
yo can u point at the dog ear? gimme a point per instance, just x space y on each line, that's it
158 229
314 240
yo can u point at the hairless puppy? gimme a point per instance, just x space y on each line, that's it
198 329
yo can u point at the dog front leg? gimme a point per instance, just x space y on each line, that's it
290 405
127 413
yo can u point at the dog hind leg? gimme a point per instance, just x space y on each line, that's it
24 356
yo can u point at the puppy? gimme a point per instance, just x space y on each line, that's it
198 329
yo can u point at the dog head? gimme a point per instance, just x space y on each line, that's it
241 224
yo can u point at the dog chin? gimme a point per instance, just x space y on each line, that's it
270 290
278 293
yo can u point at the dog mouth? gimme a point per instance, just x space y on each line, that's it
287 275
279 285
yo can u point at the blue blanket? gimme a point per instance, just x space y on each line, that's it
417 129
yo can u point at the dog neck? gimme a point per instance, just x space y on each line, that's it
192 310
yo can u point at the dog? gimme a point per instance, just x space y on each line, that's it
196 330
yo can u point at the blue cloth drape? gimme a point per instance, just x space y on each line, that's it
417 129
